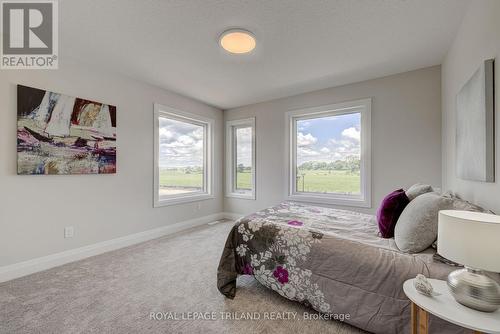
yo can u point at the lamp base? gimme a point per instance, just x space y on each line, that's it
474 289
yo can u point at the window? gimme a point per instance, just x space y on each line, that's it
240 158
329 154
183 157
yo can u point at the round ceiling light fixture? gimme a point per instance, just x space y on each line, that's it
237 41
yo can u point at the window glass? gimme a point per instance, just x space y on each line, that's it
240 158
243 161
328 151
181 157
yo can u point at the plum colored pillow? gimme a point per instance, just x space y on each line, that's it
389 211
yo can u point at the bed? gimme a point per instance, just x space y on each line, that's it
331 260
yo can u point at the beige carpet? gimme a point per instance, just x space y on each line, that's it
116 292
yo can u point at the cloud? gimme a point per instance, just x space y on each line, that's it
183 141
351 133
345 147
166 135
181 144
303 125
198 134
244 146
303 152
305 139
332 150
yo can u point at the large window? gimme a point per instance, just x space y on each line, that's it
329 160
240 158
183 156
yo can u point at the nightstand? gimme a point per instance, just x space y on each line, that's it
445 307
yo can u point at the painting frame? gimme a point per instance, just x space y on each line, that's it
59 134
475 126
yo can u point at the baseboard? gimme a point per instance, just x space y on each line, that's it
232 215
24 268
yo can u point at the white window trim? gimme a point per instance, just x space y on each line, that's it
231 156
364 199
209 176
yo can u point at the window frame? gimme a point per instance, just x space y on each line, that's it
363 106
161 111
231 157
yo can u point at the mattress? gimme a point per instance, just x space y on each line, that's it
331 260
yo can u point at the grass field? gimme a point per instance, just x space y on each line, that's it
179 179
335 181
244 180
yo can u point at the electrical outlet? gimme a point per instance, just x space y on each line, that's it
69 232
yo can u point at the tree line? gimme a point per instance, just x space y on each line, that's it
351 163
186 170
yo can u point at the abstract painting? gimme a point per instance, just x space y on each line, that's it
475 135
60 134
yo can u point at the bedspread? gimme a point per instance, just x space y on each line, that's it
331 260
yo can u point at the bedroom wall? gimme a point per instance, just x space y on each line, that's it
35 209
477 39
406 135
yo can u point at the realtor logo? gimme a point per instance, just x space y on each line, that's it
29 34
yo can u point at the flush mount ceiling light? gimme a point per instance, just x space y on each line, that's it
237 41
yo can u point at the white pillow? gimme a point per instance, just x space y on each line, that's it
417 226
418 189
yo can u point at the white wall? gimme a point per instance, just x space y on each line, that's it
406 131
406 134
35 209
478 39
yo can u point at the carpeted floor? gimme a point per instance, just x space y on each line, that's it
116 292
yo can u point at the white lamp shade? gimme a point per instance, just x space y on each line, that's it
470 238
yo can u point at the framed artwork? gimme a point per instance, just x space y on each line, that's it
475 135
60 134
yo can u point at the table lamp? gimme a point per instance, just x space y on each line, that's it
471 239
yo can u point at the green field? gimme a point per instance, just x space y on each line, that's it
244 180
335 181
180 179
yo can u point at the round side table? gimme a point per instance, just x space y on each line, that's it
447 308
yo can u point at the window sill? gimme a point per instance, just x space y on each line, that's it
241 196
353 201
159 202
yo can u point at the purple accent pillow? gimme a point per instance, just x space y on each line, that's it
389 211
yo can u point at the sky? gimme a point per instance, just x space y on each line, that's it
181 144
328 138
244 146
322 139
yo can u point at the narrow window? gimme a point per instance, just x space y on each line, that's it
240 157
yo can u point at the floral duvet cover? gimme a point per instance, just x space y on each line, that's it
331 260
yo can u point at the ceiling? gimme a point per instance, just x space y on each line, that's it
302 45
